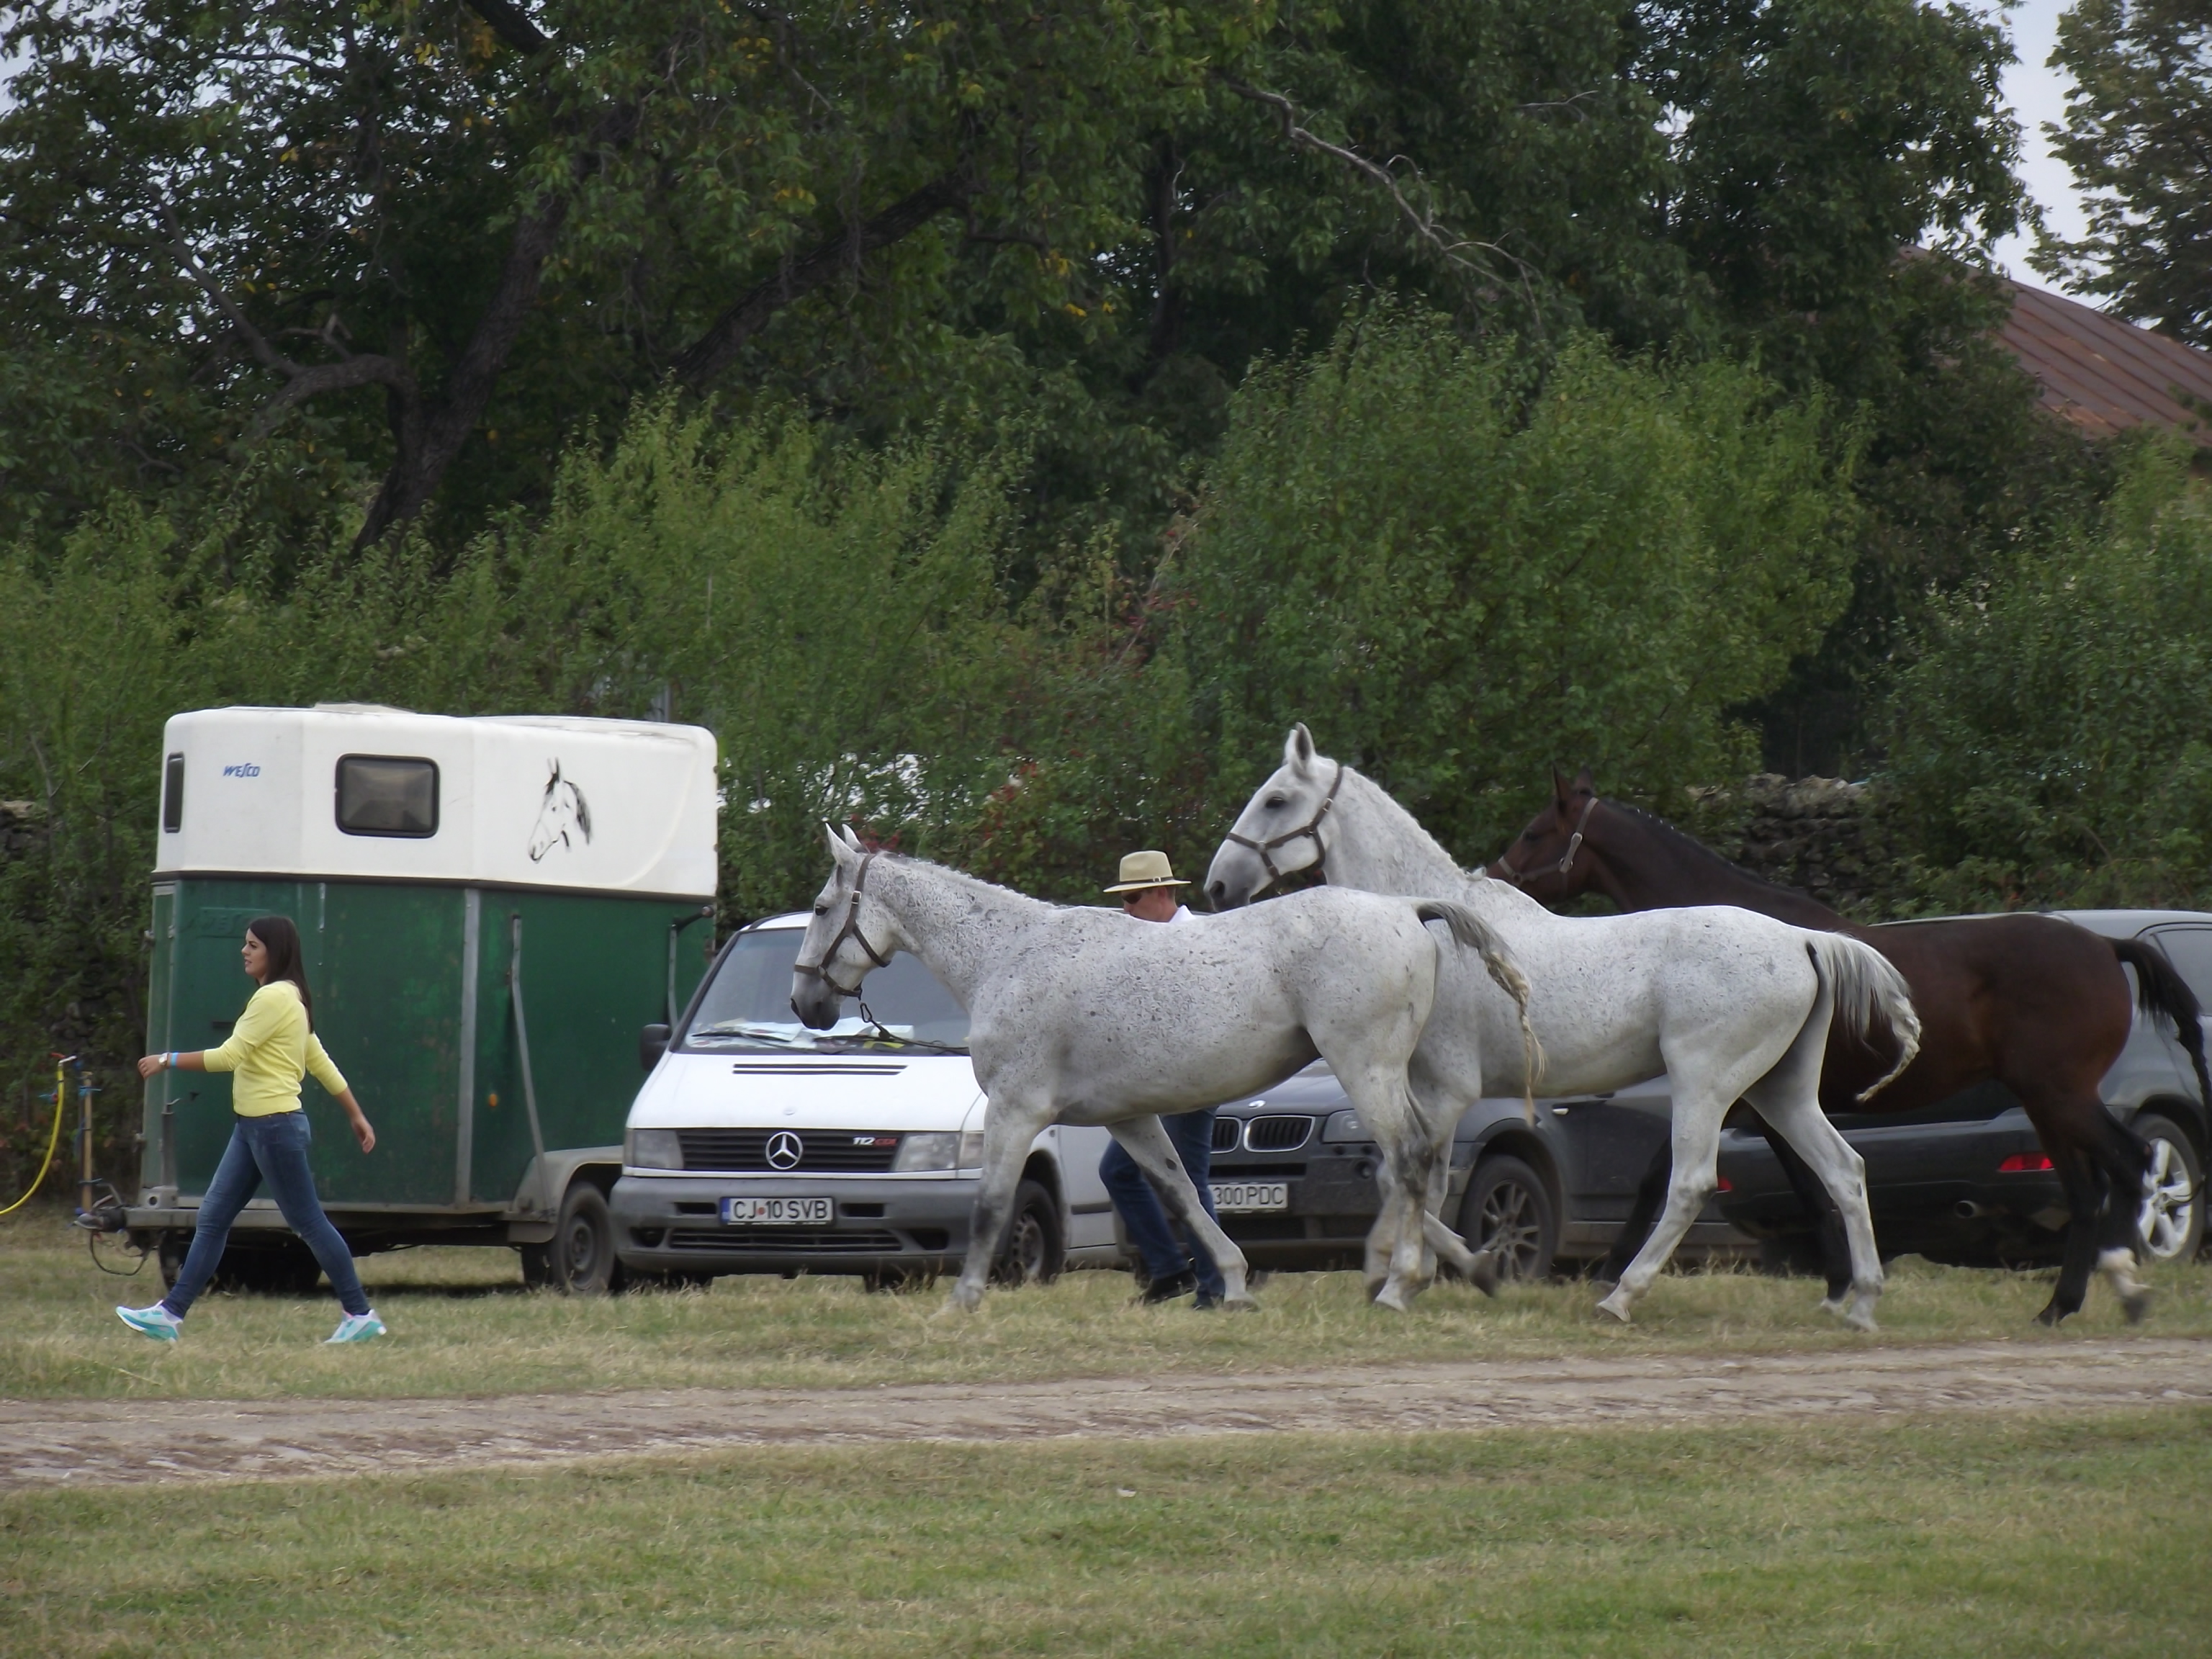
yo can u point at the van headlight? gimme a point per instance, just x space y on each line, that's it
935 1149
652 1149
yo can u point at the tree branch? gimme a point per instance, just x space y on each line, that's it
715 349
512 26
1452 249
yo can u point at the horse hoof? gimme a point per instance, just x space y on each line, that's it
1861 1321
1617 1305
2135 1307
1482 1272
1390 1297
1375 1288
2051 1315
963 1300
1240 1304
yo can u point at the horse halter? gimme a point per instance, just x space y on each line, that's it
1521 879
1311 829
851 930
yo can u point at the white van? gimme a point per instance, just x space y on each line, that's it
757 1145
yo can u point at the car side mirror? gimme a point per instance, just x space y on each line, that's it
651 1043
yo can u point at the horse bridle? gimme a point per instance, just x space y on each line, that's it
851 930
1310 828
1521 879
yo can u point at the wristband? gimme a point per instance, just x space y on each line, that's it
169 1060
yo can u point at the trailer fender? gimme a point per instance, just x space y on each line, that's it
537 1202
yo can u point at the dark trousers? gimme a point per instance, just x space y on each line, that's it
272 1149
1146 1220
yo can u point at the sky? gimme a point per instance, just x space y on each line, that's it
2038 95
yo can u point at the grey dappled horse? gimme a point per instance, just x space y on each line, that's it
1090 1016
1729 1004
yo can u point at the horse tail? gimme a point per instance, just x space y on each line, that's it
1865 981
2159 990
1471 931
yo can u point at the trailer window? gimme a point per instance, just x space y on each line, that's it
387 795
2190 950
172 794
748 1005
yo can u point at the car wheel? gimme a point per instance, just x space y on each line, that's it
1033 1253
2173 1219
578 1260
1508 1209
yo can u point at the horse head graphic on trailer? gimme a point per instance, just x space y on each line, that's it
563 814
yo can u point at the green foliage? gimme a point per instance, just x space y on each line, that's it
2134 137
1461 571
2050 744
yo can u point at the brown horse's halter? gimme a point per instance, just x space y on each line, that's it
1311 829
1521 879
851 930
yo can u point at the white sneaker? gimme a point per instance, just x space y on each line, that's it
156 1321
356 1327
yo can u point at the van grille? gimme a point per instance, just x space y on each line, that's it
1277 1134
820 1152
785 1240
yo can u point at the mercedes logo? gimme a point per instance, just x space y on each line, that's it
785 1149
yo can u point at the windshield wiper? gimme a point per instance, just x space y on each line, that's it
747 1031
881 1038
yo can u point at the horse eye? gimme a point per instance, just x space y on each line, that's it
1275 801
1528 835
821 909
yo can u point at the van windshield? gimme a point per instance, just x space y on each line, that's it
748 1004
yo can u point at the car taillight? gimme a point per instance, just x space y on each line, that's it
2024 1163
1726 1185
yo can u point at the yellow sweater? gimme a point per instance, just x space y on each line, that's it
271 1049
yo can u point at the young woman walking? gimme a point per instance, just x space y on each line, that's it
272 1046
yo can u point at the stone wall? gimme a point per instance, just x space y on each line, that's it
1813 834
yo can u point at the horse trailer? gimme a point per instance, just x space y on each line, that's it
490 909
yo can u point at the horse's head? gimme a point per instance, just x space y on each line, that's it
1548 859
561 815
1284 829
837 953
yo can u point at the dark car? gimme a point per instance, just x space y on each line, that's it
1294 1177
1965 1180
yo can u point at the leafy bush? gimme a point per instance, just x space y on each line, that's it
1461 571
2052 744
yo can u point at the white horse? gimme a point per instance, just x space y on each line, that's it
563 814
1088 1017
1729 1004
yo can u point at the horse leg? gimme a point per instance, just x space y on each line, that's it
1650 1193
1835 1248
1008 1132
2079 1176
1146 1140
2124 1157
1789 1104
1697 1141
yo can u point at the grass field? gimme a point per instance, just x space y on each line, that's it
461 1324
1950 1538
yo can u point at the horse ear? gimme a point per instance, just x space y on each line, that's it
853 838
838 851
1563 793
1585 782
1298 749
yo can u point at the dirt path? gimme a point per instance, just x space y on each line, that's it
45 1445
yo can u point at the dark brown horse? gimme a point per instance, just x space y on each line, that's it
2031 1001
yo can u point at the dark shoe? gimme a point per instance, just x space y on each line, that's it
1169 1289
1207 1302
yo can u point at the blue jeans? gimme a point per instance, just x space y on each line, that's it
1141 1213
272 1149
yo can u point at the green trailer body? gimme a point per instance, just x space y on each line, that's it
415 977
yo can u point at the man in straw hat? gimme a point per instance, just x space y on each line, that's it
1147 887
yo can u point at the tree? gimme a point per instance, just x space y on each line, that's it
2135 136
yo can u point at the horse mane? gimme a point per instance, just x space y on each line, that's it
1683 839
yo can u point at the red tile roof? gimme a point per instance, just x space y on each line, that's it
2104 375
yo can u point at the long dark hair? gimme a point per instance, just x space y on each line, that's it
282 940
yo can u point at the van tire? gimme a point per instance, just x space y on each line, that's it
1034 1248
578 1260
1508 1206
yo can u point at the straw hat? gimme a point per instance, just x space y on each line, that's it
1142 870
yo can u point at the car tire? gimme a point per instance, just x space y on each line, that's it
578 1260
1508 1205
2173 1219
1034 1250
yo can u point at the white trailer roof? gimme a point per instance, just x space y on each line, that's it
520 800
